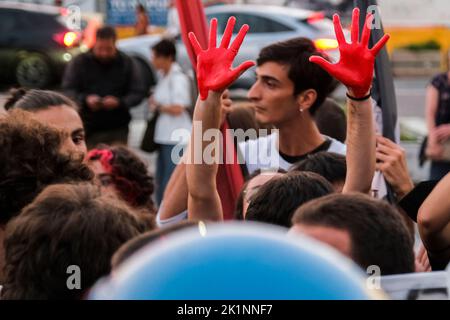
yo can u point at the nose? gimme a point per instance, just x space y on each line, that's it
254 92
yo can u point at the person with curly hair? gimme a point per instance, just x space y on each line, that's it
31 158
62 243
121 172
53 109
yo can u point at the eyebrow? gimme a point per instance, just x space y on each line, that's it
269 78
77 131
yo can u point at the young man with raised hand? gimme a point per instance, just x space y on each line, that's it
286 103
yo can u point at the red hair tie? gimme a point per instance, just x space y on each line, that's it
104 156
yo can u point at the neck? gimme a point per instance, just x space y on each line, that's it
166 68
299 136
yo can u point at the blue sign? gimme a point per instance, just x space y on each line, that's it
123 12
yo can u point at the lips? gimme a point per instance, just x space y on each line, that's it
260 109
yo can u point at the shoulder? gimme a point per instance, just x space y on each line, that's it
439 81
336 146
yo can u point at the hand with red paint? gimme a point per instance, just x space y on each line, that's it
356 63
214 65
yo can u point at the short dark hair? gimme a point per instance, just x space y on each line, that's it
239 208
276 201
106 33
378 233
132 246
330 165
30 161
331 120
165 48
65 225
304 74
35 100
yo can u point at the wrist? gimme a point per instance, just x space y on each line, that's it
404 189
358 95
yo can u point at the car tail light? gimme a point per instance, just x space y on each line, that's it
315 16
67 39
326 44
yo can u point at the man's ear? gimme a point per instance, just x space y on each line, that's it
306 99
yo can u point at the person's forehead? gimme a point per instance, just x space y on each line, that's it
61 117
274 70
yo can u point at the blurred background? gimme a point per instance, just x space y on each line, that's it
39 38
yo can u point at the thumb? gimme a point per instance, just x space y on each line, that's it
324 64
242 68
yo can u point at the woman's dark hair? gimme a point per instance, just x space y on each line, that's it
34 100
30 161
165 48
130 176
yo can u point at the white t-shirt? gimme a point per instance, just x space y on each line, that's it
173 89
262 153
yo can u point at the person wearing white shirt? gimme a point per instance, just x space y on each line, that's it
171 98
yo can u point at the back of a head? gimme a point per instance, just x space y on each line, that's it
377 231
304 74
276 201
242 117
106 33
130 175
132 246
331 120
165 48
31 160
65 226
35 100
331 166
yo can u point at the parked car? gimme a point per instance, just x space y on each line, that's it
268 24
35 43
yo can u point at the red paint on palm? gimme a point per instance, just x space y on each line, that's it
214 65
356 63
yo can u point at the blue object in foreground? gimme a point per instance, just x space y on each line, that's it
232 261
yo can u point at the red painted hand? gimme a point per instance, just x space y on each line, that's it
355 66
214 65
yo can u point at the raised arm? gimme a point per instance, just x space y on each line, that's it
214 74
355 71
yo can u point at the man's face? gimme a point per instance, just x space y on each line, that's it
337 238
105 50
273 94
67 120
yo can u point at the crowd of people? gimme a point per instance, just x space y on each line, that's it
73 194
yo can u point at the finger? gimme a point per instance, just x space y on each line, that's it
228 32
388 143
383 157
241 69
239 38
194 43
324 64
338 30
377 47
213 33
355 25
366 30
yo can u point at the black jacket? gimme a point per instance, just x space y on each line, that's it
121 78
